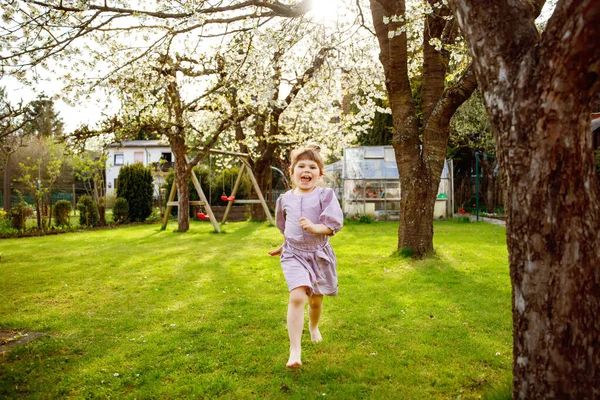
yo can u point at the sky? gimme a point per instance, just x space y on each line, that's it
86 112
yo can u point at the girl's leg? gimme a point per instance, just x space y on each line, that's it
295 324
314 313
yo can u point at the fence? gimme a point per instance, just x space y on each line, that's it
27 198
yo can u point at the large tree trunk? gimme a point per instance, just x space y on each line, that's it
180 150
6 191
420 138
537 93
181 175
262 172
416 215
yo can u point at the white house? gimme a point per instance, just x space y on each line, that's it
146 152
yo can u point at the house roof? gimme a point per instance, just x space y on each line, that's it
140 143
370 162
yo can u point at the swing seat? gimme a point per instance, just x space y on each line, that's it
202 216
224 197
227 198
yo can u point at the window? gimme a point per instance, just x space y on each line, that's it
119 159
138 157
166 157
374 152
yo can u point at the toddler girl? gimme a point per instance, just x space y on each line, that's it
307 215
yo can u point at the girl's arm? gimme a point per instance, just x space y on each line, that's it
317 229
276 252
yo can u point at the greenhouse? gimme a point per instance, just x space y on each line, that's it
370 184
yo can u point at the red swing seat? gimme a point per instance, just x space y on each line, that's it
224 197
201 215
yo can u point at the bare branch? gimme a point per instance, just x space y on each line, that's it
362 19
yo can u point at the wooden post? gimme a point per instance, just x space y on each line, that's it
203 199
258 192
236 186
168 207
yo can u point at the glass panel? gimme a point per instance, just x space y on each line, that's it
374 190
392 190
374 152
390 170
389 154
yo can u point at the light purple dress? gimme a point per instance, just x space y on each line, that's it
308 259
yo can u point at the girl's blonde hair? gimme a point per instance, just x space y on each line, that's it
311 153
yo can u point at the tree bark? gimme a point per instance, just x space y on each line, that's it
176 134
181 174
6 199
419 142
537 92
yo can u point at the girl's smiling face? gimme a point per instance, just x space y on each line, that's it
306 175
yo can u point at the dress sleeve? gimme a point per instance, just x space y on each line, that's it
280 214
331 213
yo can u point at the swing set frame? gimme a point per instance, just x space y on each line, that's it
245 159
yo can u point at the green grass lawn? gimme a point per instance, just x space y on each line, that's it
136 312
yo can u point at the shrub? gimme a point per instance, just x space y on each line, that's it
6 228
135 186
121 210
155 216
88 211
19 213
61 212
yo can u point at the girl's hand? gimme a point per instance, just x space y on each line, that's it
276 251
317 229
307 225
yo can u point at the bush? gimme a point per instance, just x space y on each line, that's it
61 212
121 210
6 228
88 211
155 216
135 186
18 215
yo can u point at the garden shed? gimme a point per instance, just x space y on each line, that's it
370 184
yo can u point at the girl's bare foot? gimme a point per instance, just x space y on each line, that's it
315 335
294 361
